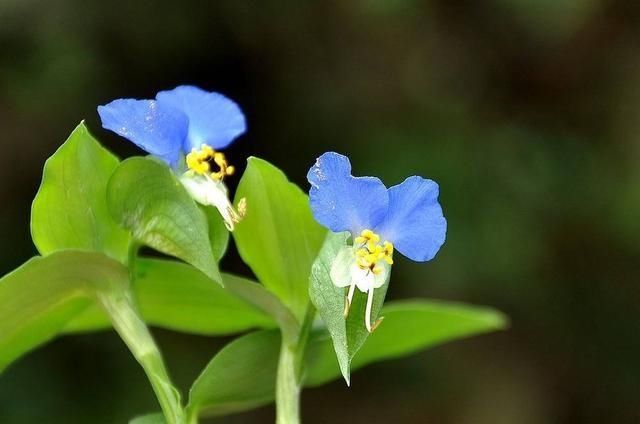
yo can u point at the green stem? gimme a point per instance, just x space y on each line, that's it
125 319
131 260
303 339
290 371
287 387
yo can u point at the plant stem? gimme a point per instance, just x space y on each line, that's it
125 319
303 339
287 387
290 371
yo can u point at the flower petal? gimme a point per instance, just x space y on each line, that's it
213 119
414 223
342 202
341 268
157 129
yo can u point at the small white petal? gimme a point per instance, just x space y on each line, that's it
364 279
341 269
210 192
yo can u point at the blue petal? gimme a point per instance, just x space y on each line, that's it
155 128
213 119
342 202
414 224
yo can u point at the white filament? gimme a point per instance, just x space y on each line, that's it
367 314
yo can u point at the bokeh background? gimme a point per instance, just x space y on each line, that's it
527 112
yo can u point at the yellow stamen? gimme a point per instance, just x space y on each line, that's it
371 251
199 161
376 324
367 236
388 252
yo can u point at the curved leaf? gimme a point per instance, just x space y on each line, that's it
145 197
278 238
240 377
409 326
218 233
70 209
156 418
177 296
348 334
41 296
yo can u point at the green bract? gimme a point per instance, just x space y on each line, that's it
145 197
348 334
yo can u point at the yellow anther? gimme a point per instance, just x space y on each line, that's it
370 251
196 163
371 258
368 236
199 161
242 206
388 252
362 262
219 159
376 324
206 151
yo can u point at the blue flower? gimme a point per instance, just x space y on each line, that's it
406 217
185 127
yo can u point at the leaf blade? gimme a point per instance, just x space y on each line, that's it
39 297
348 334
176 296
409 326
70 209
239 377
156 418
145 197
278 238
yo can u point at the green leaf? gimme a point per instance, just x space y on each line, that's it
278 238
41 296
70 209
218 233
409 326
264 300
145 197
348 334
156 418
240 377
177 296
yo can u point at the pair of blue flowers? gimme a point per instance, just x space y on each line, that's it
186 127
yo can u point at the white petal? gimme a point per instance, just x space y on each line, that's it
382 277
341 269
364 278
210 192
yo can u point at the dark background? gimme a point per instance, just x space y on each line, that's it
526 112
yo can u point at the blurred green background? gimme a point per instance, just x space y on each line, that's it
526 112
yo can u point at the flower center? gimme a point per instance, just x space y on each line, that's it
201 162
370 251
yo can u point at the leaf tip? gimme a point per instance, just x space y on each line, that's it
499 320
